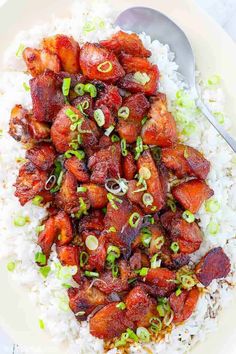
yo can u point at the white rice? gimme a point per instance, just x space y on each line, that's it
19 244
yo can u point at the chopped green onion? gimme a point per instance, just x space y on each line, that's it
159 242
71 115
174 247
147 199
171 204
105 67
188 216
91 242
114 270
40 228
212 205
21 220
37 200
115 250
213 227
134 220
143 334
26 87
99 117
91 274
161 310
41 324
178 292
67 286
123 112
156 324
155 262
79 89
144 183
66 86
20 50
115 138
123 147
112 229
40 258
112 199
214 80
11 266
91 89
79 154
121 306
44 271
109 130
189 129
184 100
132 335
146 236
122 341
144 172
104 210
220 117
74 144
187 281
82 189
138 148
168 318
144 120
141 78
83 258
89 27
143 271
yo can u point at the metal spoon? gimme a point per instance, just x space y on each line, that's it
158 26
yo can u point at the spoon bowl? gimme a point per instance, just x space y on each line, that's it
159 26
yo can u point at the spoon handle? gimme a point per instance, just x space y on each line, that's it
231 141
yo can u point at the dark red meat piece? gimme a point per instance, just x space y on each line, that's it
129 43
97 195
77 168
163 278
92 56
185 160
129 166
42 155
47 96
134 65
214 265
184 304
30 182
192 194
160 128
37 61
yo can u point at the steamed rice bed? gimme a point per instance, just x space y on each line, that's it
19 244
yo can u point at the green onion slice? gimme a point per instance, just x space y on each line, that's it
91 242
20 50
109 130
79 89
91 89
66 86
21 220
147 199
99 117
212 205
123 112
41 324
37 200
44 271
139 147
105 67
144 172
188 216
121 306
123 147
143 334
11 266
71 115
174 247
80 154
213 227
40 258
83 258
155 262
82 189
134 220
156 324
159 242
146 236
112 199
91 274
115 138
141 78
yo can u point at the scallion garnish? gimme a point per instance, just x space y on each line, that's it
188 216
143 334
171 204
143 271
134 220
11 266
91 242
113 252
212 205
123 147
156 324
91 89
37 200
80 154
114 270
40 258
20 50
26 87
112 199
115 138
155 262
79 89
178 292
91 274
99 117
146 236
213 227
174 247
187 281
121 306
44 271
66 86
144 173
83 258
147 199
141 78
105 67
139 147
144 120
39 228
82 189
159 242
71 115
123 112
21 220
112 229
109 130
41 324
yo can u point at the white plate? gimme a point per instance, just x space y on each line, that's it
215 53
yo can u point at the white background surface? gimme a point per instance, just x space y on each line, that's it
224 12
